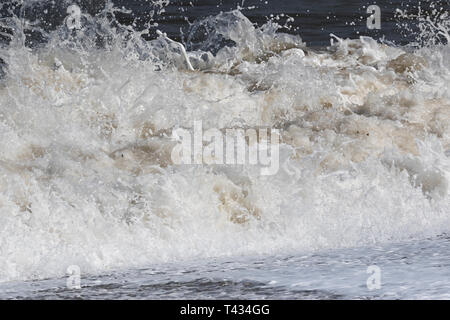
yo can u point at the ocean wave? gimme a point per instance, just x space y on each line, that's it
86 121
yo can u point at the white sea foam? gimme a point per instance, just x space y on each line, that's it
86 173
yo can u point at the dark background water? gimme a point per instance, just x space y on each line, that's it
314 19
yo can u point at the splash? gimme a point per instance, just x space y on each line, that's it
86 120
431 22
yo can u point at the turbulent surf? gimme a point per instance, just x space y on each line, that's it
86 122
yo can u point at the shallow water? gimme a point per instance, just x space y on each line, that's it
408 270
89 117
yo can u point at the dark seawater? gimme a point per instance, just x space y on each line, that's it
313 20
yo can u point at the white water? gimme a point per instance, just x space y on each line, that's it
86 175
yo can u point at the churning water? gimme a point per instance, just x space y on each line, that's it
88 103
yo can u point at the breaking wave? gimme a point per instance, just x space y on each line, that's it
86 121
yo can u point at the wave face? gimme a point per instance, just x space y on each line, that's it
86 121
